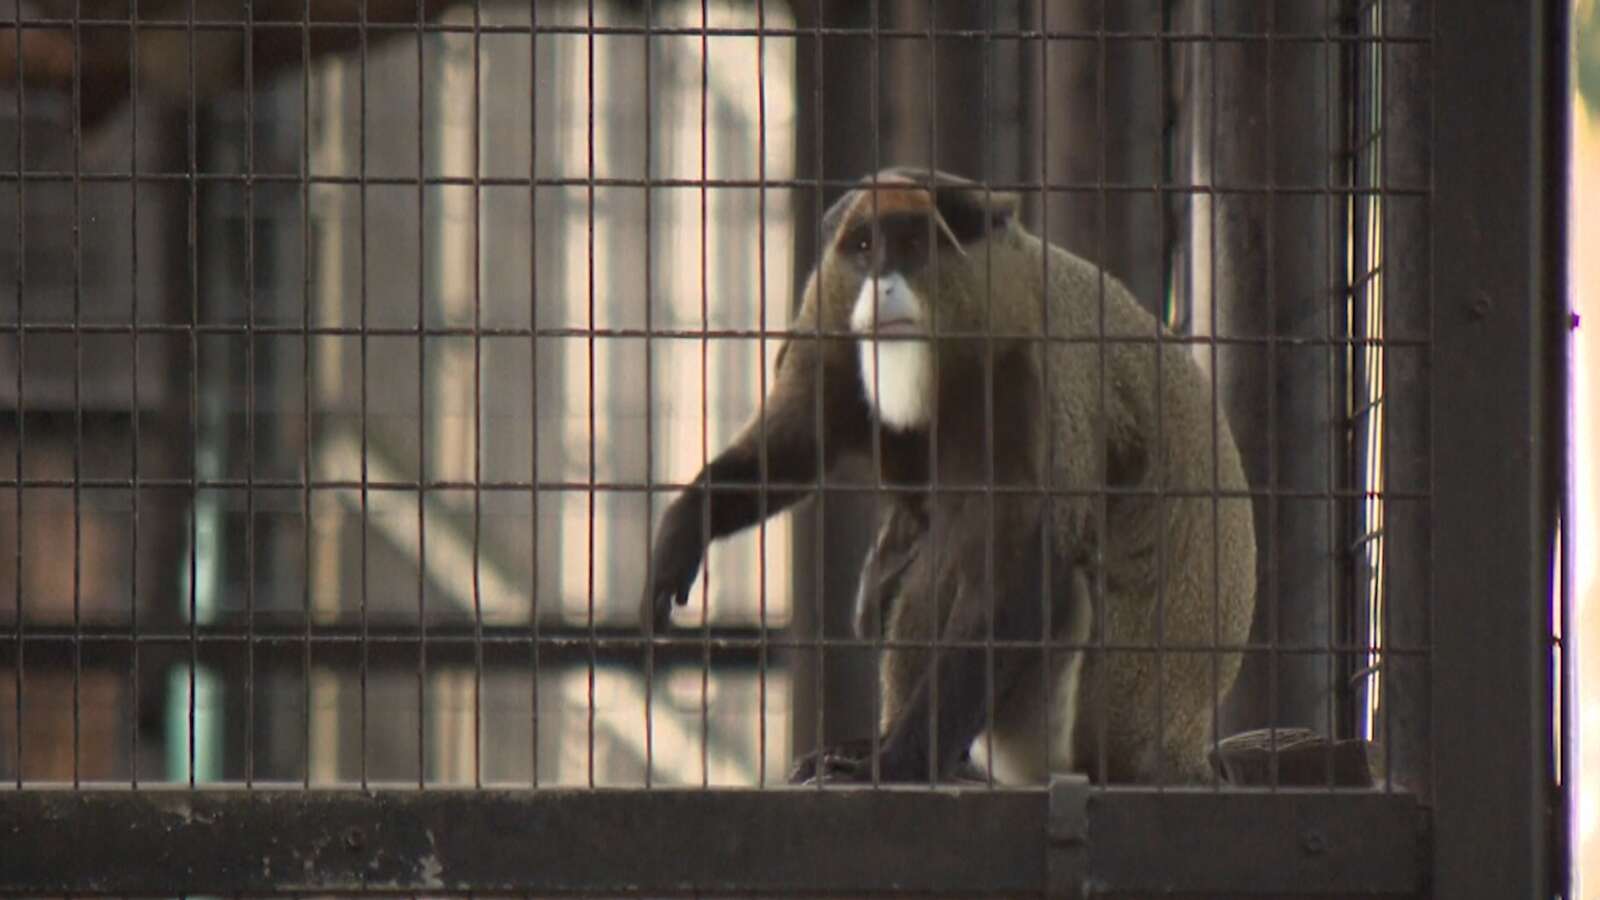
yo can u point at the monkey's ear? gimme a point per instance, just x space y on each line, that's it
971 213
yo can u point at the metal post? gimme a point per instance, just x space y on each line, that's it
1499 333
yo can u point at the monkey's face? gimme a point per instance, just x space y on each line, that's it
901 272
892 254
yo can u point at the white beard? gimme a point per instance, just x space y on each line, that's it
897 373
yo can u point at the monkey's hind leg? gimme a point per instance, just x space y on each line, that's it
1035 724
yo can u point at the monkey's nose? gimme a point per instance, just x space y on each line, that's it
897 304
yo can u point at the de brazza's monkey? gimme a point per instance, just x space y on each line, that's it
1066 486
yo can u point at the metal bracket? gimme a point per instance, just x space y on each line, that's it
1067 837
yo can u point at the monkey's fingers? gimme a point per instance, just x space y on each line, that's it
655 609
667 586
651 620
677 557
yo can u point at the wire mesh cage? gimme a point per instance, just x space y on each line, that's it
354 357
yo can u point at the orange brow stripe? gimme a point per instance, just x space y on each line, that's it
889 200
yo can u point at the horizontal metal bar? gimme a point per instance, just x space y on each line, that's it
67 327
583 181
666 487
621 647
617 641
1022 34
775 841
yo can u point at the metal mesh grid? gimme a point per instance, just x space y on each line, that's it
329 498
350 353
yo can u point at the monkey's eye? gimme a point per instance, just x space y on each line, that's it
864 243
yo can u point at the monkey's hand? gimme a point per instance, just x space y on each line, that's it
675 561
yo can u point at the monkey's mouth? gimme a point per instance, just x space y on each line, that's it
895 326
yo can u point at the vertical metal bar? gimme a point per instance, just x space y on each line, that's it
422 409
533 390
1344 88
649 391
807 611
819 609
193 248
1274 444
875 110
589 195
22 406
308 468
1169 172
705 411
1102 448
761 370
1567 749
1048 349
133 323
1181 311
1338 604
1370 103
1498 340
1559 158
477 395
77 396
1162 551
1380 95
249 396
988 174
899 74
875 62
366 512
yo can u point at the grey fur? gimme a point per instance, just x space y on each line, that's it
1166 571
1135 583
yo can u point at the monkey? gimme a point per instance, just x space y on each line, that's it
1057 472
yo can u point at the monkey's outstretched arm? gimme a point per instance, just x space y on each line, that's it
783 447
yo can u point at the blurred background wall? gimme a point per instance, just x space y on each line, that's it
1585 273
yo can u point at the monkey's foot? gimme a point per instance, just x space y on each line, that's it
850 762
